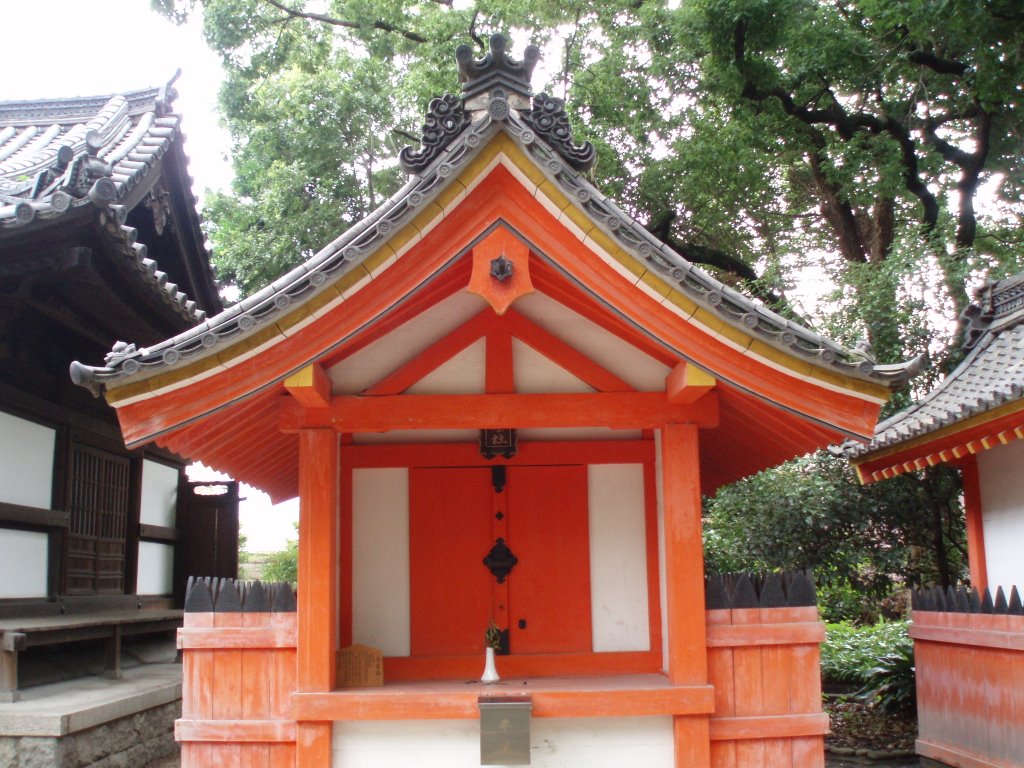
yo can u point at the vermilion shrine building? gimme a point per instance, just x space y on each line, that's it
499 290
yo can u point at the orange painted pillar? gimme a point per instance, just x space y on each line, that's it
317 599
975 525
684 584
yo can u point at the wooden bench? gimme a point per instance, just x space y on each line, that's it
19 634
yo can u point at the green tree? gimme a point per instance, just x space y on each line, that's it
766 140
861 541
283 565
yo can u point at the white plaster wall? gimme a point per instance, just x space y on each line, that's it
159 494
618 558
26 462
463 374
638 742
156 569
535 373
375 361
380 559
1001 474
620 357
23 563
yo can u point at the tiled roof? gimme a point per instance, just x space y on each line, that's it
61 159
456 129
990 376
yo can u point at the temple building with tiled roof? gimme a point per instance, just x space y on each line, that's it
972 420
968 641
499 400
100 241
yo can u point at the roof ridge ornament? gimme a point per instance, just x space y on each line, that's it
550 121
497 69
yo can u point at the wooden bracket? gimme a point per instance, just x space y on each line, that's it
687 383
310 387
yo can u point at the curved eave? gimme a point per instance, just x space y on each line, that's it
293 323
949 445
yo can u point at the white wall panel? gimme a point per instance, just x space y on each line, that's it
23 563
1001 473
556 743
380 559
26 462
159 494
618 558
156 569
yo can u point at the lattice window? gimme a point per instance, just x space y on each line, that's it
100 503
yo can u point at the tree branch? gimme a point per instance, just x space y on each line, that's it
660 225
384 26
846 125
937 63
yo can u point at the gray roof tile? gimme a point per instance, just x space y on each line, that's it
55 153
991 375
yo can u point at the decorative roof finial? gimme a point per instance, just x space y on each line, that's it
496 70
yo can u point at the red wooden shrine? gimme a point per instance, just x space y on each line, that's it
500 290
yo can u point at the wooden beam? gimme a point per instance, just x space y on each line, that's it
617 410
310 387
317 609
687 383
433 357
684 585
564 355
976 558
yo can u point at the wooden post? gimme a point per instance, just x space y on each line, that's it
975 525
684 584
317 583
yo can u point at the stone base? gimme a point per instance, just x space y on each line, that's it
124 743
94 722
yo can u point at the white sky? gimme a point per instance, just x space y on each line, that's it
64 48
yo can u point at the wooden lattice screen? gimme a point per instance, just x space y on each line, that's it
99 504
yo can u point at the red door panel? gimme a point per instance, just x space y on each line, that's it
449 534
549 589
451 529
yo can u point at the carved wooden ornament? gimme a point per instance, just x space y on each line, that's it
501 269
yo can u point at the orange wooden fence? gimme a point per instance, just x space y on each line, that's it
970 682
764 664
238 671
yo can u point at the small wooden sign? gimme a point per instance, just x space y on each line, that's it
360 666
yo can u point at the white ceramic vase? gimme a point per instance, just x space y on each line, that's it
490 674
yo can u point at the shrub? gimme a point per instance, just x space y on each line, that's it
890 685
851 653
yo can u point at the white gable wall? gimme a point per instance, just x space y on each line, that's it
1001 475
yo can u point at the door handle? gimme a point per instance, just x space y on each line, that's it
522 623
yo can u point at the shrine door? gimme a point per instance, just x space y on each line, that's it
455 517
